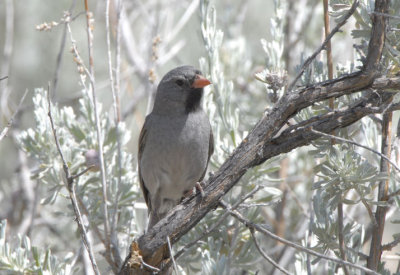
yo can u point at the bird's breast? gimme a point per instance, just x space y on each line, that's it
176 154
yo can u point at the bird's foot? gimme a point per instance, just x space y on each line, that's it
199 188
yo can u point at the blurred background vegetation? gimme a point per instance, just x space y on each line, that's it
235 43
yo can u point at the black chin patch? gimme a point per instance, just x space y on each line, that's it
193 100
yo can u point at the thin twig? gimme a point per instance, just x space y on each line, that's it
268 258
11 121
82 172
192 8
323 45
71 190
357 144
95 228
386 15
9 15
118 59
375 251
152 268
370 213
61 51
76 52
217 223
110 67
309 236
117 115
340 235
3 78
394 194
266 232
172 256
329 61
98 128
390 245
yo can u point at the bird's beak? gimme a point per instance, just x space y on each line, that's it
200 81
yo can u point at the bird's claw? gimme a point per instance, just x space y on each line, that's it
199 188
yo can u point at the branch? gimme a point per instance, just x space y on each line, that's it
391 245
114 83
72 195
8 47
268 258
360 145
324 44
11 121
266 232
61 51
375 251
89 22
252 151
261 143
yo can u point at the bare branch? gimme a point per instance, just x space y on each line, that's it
11 121
7 53
172 256
215 225
71 190
117 115
82 172
370 213
324 44
60 52
359 145
391 245
340 235
89 22
266 232
375 251
268 258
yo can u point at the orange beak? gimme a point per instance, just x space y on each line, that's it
200 81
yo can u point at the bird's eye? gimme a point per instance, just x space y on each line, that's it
179 82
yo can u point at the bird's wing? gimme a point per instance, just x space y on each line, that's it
210 152
142 143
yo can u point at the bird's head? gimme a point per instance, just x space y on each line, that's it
180 89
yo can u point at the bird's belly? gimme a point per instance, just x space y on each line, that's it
173 167
174 171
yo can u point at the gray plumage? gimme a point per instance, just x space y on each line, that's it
175 143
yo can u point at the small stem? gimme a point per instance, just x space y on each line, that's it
217 223
72 195
328 38
172 256
117 115
98 127
268 258
380 214
329 62
60 52
268 233
357 144
4 132
82 172
340 234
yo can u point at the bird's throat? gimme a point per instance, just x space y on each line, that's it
193 100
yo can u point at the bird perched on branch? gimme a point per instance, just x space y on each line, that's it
175 143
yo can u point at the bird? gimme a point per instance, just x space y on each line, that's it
175 143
